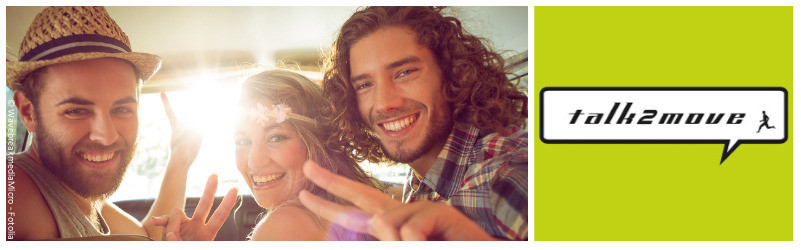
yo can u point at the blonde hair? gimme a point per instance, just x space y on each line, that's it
305 98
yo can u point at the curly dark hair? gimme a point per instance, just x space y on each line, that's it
475 82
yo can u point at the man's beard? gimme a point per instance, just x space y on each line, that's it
440 129
62 163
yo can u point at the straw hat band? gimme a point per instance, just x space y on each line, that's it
74 44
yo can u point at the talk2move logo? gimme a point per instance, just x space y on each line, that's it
729 116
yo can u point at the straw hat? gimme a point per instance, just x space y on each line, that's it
66 34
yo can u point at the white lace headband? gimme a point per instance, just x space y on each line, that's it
278 113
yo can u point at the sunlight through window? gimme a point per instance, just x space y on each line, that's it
209 105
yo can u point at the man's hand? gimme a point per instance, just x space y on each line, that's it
383 217
185 141
184 148
180 227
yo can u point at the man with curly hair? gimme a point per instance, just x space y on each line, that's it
410 85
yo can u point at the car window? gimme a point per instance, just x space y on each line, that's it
209 106
17 139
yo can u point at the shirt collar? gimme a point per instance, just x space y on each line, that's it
445 175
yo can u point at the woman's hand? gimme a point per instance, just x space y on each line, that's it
185 141
180 227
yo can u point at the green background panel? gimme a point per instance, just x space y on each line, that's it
667 192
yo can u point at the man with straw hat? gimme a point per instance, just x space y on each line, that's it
76 87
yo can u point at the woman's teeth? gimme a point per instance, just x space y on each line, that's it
97 157
265 179
399 124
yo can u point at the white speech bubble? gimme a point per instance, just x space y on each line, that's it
731 116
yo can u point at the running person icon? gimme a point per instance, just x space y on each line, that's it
764 121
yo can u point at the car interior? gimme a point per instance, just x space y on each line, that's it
207 52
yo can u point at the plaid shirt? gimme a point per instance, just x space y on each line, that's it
484 175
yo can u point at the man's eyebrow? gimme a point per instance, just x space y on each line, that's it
81 101
129 99
395 64
359 77
75 100
403 61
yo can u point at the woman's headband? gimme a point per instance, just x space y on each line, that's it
278 113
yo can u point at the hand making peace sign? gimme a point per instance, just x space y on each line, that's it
381 216
180 227
185 141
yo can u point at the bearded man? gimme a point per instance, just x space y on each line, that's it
77 87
